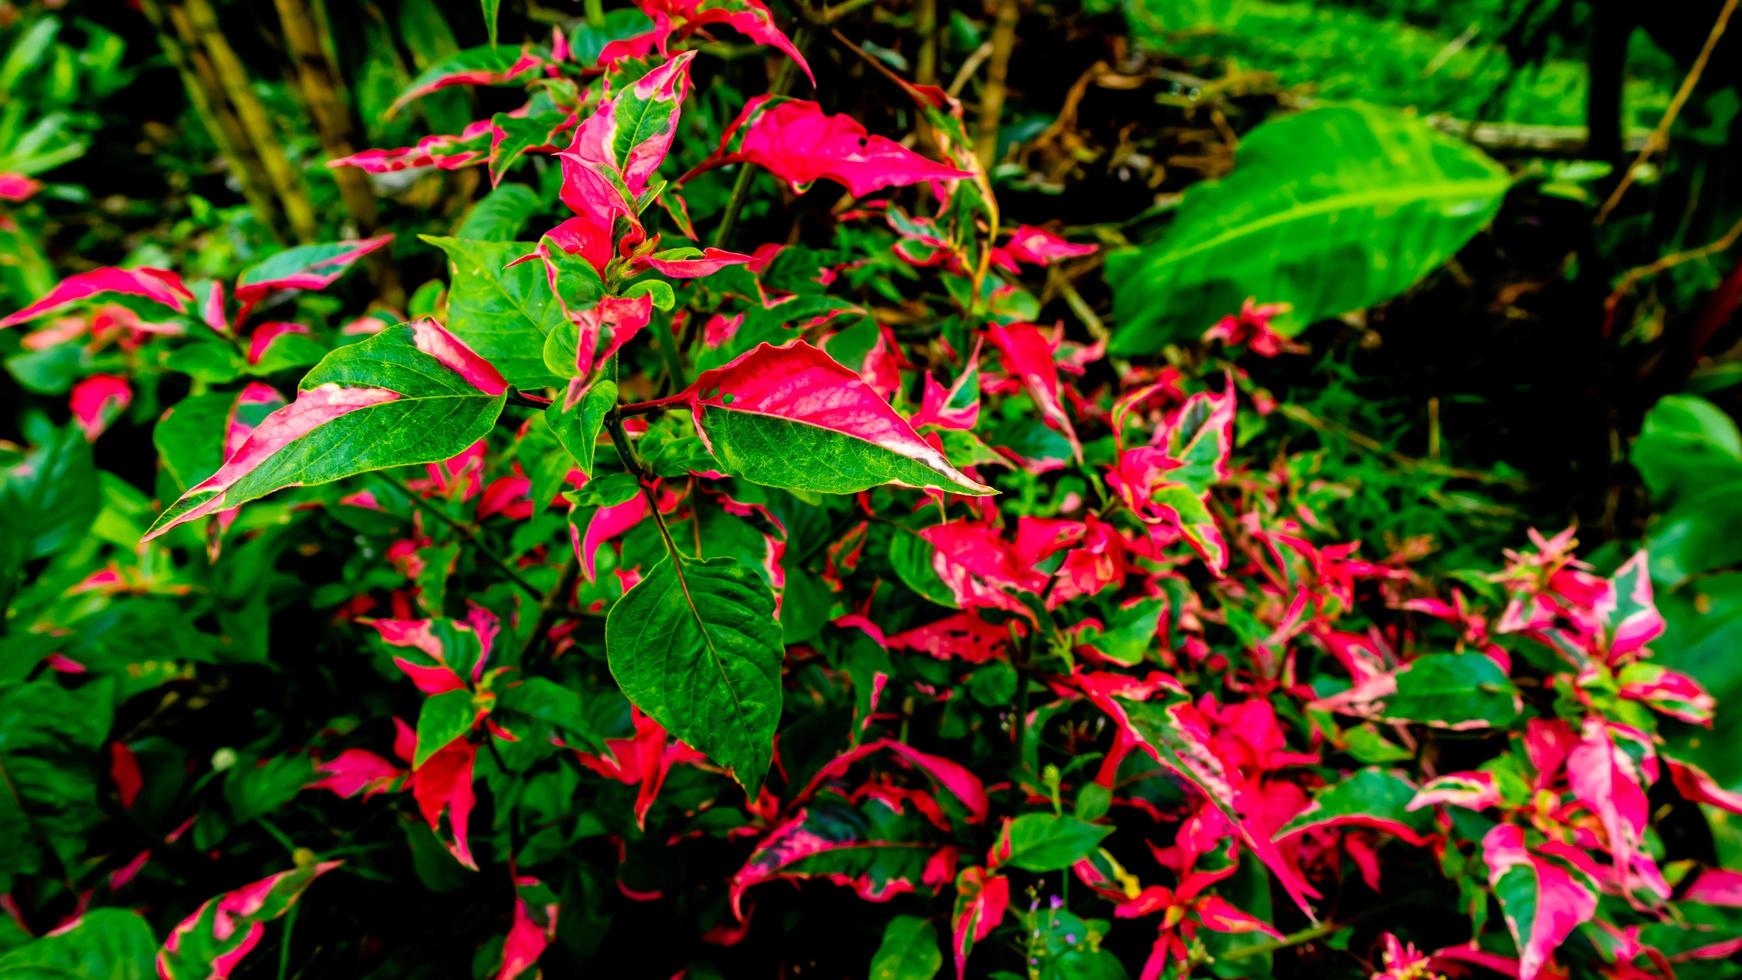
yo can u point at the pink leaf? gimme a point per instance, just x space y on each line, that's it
260 340
356 771
1611 780
303 267
210 943
446 152
98 400
682 17
1037 246
469 76
616 150
535 915
981 901
1543 900
799 143
444 785
835 420
707 262
158 285
1028 357
18 188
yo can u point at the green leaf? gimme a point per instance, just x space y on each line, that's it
1373 797
49 737
577 427
1330 210
505 313
1044 842
48 499
499 215
490 8
409 394
550 703
1454 690
445 717
909 951
107 944
1690 454
911 557
696 646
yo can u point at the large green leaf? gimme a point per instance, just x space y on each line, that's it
49 737
1690 454
503 311
696 646
409 394
1044 842
106 944
47 500
1453 690
909 951
1330 210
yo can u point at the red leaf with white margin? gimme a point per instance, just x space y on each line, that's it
1695 784
1544 895
682 17
1609 771
448 151
957 780
97 401
965 635
409 394
1036 246
795 418
799 143
846 845
444 785
1028 357
981 901
616 150
535 913
158 285
210 943
1670 692
302 267
1629 616
478 66
1174 733
702 263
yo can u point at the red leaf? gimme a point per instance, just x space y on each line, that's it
158 285
1554 896
799 383
1028 357
799 143
98 400
981 901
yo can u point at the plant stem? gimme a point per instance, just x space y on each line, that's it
1306 935
649 407
220 124
233 78
551 607
1659 138
997 72
464 531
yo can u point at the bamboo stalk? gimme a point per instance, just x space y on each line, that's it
997 72
318 85
220 124
233 78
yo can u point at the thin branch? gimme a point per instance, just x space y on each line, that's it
997 73
1659 138
470 534
1632 276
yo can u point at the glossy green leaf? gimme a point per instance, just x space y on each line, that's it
409 394
1453 690
1330 210
696 646
444 717
106 944
1044 842
504 311
909 951
578 426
